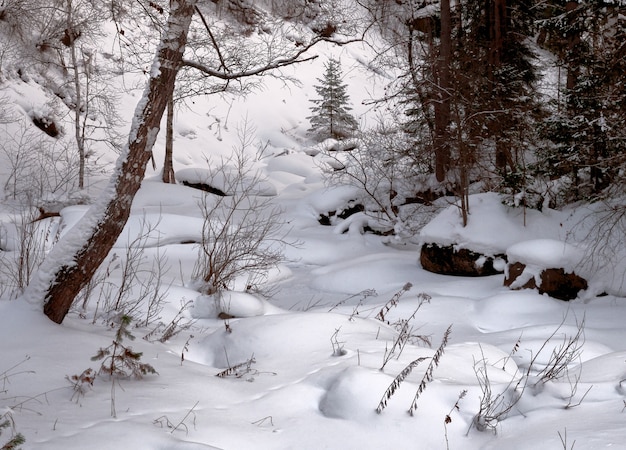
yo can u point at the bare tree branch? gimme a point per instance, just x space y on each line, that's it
276 64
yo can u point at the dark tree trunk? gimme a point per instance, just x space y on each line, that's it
497 25
442 100
497 22
573 41
105 225
168 164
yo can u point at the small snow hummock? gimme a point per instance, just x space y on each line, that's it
546 253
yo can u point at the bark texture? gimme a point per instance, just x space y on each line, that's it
442 101
168 164
70 278
446 260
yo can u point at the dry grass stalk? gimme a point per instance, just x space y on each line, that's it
397 381
428 376
393 302
238 370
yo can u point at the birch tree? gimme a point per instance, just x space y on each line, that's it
74 260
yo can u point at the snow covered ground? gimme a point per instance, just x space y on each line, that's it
307 367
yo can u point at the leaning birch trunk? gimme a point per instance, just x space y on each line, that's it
73 261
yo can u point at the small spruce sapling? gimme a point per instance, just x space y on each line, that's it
119 361
331 116
17 439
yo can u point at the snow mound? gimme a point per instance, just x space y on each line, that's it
608 367
546 253
237 304
492 226
227 180
295 163
145 230
516 309
279 337
354 394
460 361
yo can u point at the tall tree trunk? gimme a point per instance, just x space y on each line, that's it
168 163
74 260
497 24
573 41
442 99
79 133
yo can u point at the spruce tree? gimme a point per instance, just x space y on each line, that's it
331 116
586 128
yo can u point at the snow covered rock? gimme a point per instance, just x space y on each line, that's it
547 265
477 248
447 260
226 181
231 304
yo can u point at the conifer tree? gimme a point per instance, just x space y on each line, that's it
587 125
331 116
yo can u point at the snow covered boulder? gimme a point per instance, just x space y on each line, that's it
448 260
478 248
231 304
226 181
547 265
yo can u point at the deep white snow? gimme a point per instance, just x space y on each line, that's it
316 343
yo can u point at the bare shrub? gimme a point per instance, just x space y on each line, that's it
495 407
363 294
563 439
6 416
130 284
561 357
338 349
163 332
390 177
26 251
602 230
164 421
241 233
38 168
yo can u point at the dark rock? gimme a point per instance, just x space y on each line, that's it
352 208
70 36
562 285
515 270
554 281
448 261
324 219
326 30
205 187
46 125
